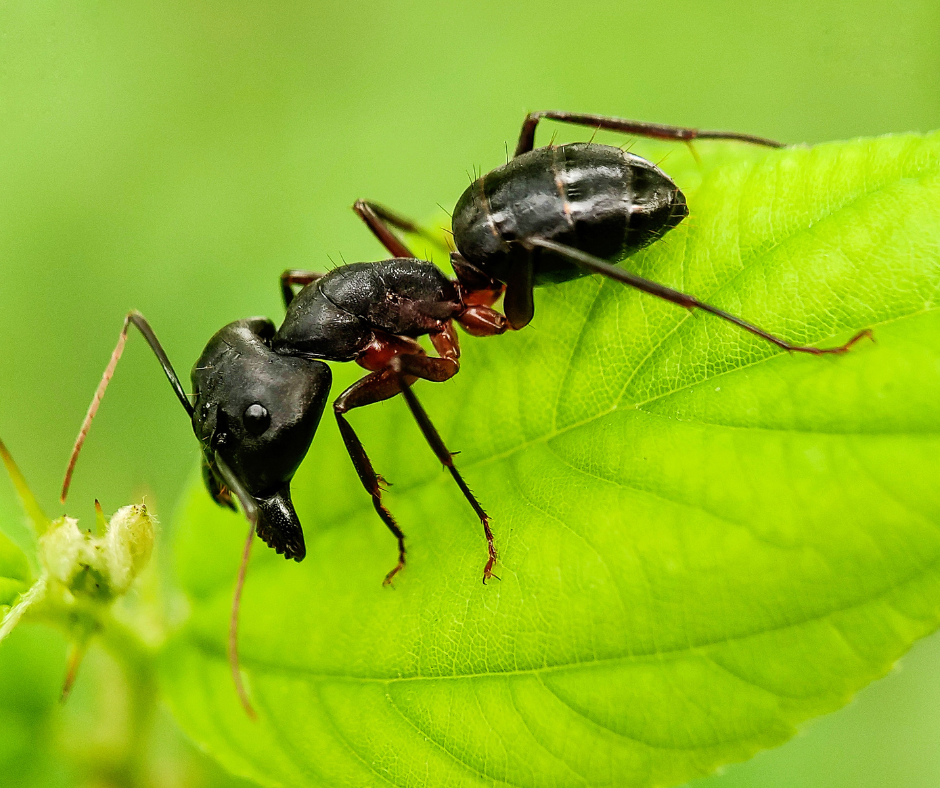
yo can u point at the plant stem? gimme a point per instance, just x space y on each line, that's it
137 660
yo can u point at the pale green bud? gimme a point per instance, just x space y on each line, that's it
64 549
128 544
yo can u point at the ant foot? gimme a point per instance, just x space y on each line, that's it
834 351
488 569
388 578
859 336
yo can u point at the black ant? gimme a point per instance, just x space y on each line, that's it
550 215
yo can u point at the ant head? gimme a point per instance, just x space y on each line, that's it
255 413
658 205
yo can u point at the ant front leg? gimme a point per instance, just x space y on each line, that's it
376 387
380 220
597 266
657 131
296 276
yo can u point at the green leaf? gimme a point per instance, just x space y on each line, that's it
703 541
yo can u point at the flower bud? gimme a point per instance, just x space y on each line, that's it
63 550
128 544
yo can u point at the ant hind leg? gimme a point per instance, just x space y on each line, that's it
598 266
639 128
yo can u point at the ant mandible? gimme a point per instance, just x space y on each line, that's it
550 215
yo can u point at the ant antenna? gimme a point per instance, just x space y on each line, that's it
251 512
248 505
144 327
233 625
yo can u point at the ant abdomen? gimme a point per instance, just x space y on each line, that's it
595 198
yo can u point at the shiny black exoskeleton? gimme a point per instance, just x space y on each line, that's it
255 413
599 199
549 215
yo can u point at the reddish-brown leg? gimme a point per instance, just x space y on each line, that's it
439 369
372 388
405 361
482 321
446 343
639 128
476 288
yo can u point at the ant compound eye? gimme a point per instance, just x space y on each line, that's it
256 418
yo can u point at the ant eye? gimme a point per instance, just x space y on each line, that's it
256 418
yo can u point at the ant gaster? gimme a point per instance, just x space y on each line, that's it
550 215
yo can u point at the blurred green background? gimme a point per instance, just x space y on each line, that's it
175 157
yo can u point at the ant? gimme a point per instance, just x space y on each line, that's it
258 392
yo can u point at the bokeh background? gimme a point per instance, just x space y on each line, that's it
176 156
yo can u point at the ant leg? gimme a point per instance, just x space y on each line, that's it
518 303
657 131
475 286
598 266
482 321
376 387
380 220
437 370
296 276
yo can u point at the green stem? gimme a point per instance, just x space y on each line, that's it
138 662
35 594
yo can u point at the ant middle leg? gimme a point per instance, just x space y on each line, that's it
439 369
599 266
657 131
380 220
296 276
